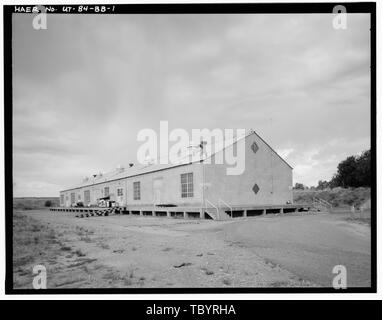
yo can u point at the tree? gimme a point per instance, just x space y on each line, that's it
364 169
354 171
323 185
298 186
48 203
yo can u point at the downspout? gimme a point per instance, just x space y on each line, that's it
126 193
203 186
203 175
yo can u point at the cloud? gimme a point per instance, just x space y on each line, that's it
84 87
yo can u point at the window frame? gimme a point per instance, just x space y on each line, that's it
187 185
87 196
137 190
72 197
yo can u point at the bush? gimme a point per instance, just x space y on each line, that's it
338 197
353 172
48 203
298 186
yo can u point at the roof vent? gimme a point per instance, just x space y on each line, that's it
197 148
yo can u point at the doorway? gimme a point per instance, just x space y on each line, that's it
157 186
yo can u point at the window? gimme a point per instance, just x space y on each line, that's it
106 191
72 197
87 196
187 185
137 190
119 192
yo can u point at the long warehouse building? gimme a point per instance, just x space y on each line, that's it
266 180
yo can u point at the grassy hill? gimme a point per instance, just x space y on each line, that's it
338 197
29 203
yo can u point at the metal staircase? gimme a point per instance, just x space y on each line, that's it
217 213
322 205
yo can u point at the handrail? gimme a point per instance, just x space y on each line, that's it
323 202
328 203
226 205
217 209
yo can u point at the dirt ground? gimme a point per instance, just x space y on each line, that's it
131 251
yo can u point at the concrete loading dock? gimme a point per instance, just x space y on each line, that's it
186 212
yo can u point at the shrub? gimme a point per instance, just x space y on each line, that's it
48 203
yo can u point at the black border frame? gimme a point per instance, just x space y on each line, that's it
216 8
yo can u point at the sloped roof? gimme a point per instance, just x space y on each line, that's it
139 169
135 170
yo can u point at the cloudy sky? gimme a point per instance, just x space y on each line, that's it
83 88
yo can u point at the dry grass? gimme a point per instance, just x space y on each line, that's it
122 280
364 221
30 203
130 259
67 267
338 197
32 245
280 284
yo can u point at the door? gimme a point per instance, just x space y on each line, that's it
157 186
120 195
